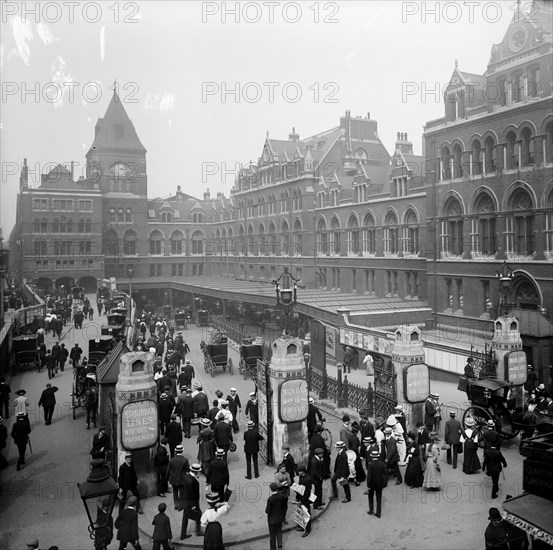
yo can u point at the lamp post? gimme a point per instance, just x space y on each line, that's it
130 273
99 485
505 279
286 295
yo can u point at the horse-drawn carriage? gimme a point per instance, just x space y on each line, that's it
84 382
25 352
77 293
216 353
203 318
98 348
250 352
115 326
180 320
495 400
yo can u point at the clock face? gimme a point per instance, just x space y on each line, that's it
119 171
517 39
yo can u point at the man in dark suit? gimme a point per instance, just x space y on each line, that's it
100 443
316 469
191 501
201 404
186 410
173 433
317 442
187 374
252 408
392 455
176 472
376 478
222 434
219 476
48 402
251 448
289 462
234 406
276 514
452 437
128 481
494 462
306 481
20 435
165 408
127 526
430 411
313 413
213 413
162 529
341 471
491 436
51 363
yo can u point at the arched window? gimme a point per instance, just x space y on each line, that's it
520 224
322 238
176 242
224 246
81 226
70 225
457 161
128 216
549 142
112 216
156 240
369 235
512 152
483 226
63 225
120 216
262 239
44 225
446 161
285 233
251 248
273 243
476 158
36 226
56 225
410 233
298 238
452 227
491 154
353 235
527 153
88 226
549 225
334 237
197 242
130 243
391 231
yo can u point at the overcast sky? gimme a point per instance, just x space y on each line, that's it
177 62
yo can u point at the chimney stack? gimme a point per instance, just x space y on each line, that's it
293 136
207 195
24 176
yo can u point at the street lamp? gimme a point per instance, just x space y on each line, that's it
286 295
505 277
99 484
130 273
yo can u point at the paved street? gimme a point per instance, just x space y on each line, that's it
42 499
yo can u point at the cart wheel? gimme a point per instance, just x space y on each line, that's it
230 365
506 428
74 406
480 417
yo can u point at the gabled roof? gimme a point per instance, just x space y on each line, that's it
60 178
115 130
107 372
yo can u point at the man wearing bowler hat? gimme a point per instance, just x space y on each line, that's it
452 438
128 481
48 402
496 534
376 480
176 473
317 475
127 526
219 475
251 447
430 409
20 435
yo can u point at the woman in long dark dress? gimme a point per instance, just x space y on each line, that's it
471 462
414 475
213 535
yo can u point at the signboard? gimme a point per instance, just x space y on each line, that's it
293 400
416 383
302 517
264 426
516 369
139 425
331 342
112 283
366 341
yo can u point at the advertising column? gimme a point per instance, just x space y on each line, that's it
289 399
506 340
137 414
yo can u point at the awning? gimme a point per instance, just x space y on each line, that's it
531 513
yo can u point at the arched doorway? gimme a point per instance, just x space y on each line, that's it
89 283
43 283
525 292
66 282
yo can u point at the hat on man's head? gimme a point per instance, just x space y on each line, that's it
219 394
419 424
469 421
311 401
392 420
212 498
378 421
252 394
451 413
345 418
251 424
220 452
128 455
433 395
164 441
233 389
196 468
491 423
205 422
318 429
20 415
132 501
375 453
199 388
340 444
188 390
179 449
368 440
33 542
173 417
388 430
319 451
494 514
20 392
434 435
220 416
163 395
398 407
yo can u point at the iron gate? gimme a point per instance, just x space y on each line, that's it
384 396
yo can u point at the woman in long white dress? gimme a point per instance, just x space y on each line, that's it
432 476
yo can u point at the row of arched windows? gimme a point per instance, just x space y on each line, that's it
517 148
286 202
61 225
120 215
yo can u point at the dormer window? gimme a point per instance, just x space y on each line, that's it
197 217
166 217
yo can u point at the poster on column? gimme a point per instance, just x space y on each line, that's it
139 425
330 342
